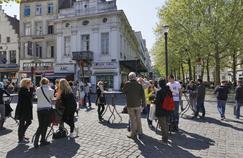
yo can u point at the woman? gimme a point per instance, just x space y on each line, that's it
161 114
44 110
69 103
2 105
149 93
100 101
24 107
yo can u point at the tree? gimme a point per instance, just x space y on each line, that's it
207 29
7 1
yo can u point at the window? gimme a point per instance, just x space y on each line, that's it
38 10
8 39
50 8
85 42
67 46
3 57
105 43
108 79
27 29
12 56
38 26
86 22
52 51
50 29
38 50
27 11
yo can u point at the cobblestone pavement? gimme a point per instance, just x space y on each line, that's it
209 137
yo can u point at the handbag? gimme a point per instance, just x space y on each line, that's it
152 112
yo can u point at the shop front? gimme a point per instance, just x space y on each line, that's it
9 72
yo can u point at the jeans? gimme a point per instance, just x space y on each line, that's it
44 118
221 107
200 107
237 110
175 114
135 118
87 98
148 120
23 125
101 109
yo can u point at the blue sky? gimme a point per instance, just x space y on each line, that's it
142 15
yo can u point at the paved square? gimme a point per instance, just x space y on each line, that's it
209 137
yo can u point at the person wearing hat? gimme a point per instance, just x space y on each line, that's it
238 98
2 106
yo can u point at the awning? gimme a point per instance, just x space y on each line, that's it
9 70
134 65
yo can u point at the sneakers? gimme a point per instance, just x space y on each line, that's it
71 135
131 136
23 142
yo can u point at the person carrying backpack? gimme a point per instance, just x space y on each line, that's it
222 96
161 112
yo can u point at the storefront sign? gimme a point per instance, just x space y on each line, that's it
64 68
40 66
105 65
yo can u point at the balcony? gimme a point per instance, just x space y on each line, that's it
79 10
83 55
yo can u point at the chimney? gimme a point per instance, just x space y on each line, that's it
15 16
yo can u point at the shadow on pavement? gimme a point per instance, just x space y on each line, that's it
5 132
152 148
62 148
218 122
115 125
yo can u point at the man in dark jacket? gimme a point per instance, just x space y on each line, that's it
238 98
135 99
201 90
222 96
2 106
161 114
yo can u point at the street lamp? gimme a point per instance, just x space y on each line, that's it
166 30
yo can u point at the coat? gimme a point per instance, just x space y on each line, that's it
134 94
24 105
161 94
69 103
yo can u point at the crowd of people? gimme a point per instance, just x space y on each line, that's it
142 96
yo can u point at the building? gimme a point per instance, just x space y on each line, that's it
100 39
9 47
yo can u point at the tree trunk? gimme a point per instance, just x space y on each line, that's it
190 68
208 71
194 73
202 71
183 73
234 64
217 67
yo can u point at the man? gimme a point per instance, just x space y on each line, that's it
135 99
238 98
175 87
222 96
201 90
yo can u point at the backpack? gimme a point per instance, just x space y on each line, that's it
168 103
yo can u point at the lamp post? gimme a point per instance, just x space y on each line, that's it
166 30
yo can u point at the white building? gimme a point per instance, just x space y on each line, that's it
99 37
9 47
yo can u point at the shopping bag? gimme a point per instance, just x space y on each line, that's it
152 112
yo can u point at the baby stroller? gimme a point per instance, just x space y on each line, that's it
8 109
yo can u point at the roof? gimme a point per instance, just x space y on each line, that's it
14 22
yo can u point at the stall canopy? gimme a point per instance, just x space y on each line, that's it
134 65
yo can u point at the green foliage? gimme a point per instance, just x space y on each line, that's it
200 29
7 1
